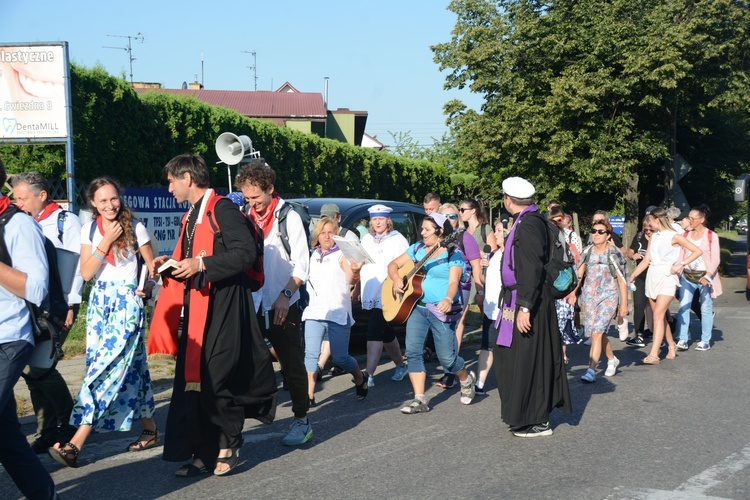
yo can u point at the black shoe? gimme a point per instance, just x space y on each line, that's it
479 391
313 404
636 341
362 388
43 443
447 382
536 430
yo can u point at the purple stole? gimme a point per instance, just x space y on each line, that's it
507 271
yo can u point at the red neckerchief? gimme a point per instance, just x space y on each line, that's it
48 210
4 204
110 256
265 221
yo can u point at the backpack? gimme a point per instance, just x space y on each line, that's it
561 277
61 224
613 269
255 273
304 214
47 320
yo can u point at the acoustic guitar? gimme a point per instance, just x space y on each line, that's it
398 307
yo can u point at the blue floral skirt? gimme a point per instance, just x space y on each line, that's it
117 386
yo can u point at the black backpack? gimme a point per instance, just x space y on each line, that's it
561 277
47 320
304 214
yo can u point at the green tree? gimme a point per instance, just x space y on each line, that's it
590 99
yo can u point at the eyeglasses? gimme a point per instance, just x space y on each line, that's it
462 210
648 230
451 216
599 231
693 219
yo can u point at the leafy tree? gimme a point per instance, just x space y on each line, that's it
591 99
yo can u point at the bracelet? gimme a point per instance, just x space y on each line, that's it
100 250
448 298
96 256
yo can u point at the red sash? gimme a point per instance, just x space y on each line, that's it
162 337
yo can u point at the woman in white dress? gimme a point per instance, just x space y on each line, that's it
662 279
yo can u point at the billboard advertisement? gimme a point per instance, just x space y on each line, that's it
33 96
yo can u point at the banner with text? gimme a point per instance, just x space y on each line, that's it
160 213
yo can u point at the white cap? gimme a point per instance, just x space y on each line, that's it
518 187
439 219
380 211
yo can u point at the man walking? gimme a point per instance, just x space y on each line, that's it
529 364
24 275
50 395
278 301
204 315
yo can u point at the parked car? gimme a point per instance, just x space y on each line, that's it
407 219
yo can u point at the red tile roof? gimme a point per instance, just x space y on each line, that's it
260 103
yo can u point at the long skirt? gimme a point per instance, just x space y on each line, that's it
117 386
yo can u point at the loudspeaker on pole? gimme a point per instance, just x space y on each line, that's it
232 149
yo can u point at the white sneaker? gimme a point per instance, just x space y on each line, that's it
622 329
370 382
703 346
612 365
682 345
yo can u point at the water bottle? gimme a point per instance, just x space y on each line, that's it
631 286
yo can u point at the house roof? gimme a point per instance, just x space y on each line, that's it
260 103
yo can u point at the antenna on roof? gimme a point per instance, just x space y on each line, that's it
254 67
128 49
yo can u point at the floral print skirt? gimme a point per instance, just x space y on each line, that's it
117 386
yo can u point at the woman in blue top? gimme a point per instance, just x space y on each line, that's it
440 285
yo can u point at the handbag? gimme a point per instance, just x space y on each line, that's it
451 316
693 276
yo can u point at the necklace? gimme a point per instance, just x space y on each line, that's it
191 234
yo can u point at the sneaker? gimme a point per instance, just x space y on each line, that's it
622 329
682 345
703 346
536 430
479 391
361 390
447 381
467 389
636 341
299 433
370 382
589 376
612 365
400 372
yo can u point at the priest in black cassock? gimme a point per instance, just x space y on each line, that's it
206 317
529 365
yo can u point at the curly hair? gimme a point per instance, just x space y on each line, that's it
256 172
124 216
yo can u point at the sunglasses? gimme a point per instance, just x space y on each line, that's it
462 210
648 230
451 216
599 231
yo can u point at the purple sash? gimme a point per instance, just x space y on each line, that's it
508 273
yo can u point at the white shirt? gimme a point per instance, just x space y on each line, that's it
492 286
124 269
373 275
660 248
278 267
71 242
330 299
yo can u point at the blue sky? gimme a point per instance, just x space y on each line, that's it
376 54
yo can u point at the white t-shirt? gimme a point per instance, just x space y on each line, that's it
373 275
125 269
492 286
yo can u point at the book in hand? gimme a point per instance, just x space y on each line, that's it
168 268
353 250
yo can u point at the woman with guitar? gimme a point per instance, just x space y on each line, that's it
435 281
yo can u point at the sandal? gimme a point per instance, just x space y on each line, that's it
672 351
231 460
651 360
138 445
361 389
67 455
190 470
415 406
447 381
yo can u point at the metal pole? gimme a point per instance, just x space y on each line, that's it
69 157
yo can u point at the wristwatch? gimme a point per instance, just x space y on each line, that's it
525 310
287 293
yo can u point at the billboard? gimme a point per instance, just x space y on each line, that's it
33 95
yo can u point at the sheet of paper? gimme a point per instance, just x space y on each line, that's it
352 249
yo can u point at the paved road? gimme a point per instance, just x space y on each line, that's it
677 430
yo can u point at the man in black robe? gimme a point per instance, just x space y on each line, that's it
529 363
206 316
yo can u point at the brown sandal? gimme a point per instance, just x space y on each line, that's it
651 360
672 351
67 455
138 445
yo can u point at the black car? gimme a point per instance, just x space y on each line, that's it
407 220
406 217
